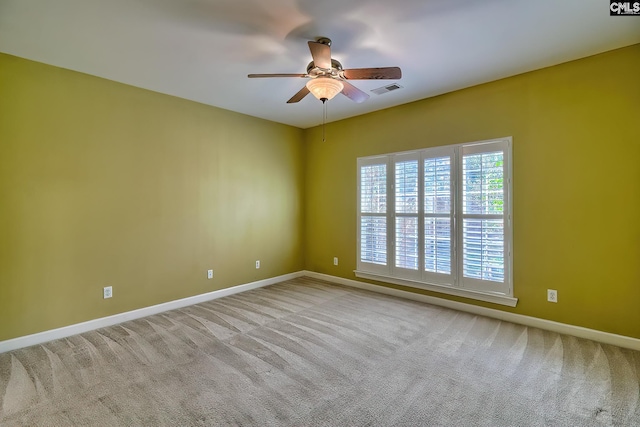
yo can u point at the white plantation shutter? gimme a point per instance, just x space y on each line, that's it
373 214
406 207
438 215
446 222
483 194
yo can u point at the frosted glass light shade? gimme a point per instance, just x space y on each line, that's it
324 87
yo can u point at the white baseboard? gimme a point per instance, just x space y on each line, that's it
67 331
562 328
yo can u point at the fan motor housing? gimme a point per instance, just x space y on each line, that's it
314 71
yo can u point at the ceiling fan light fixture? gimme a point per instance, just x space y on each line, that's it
324 88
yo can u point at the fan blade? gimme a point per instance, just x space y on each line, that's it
256 76
298 96
353 93
372 73
321 54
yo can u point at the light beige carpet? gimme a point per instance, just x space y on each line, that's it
309 353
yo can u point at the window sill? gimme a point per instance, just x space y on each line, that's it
480 296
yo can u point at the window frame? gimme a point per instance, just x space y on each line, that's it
454 283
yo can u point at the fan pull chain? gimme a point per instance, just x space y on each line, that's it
324 117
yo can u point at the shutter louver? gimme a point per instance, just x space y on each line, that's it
437 245
483 249
373 189
407 187
373 236
407 242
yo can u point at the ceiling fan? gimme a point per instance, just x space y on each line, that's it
327 78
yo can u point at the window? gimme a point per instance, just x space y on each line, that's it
439 219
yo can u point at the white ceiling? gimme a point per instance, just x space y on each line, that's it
202 50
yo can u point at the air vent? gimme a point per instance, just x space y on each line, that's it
387 88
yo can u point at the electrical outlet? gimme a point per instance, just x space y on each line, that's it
107 292
552 295
209 274
257 264
335 260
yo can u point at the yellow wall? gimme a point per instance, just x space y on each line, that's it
576 150
106 184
